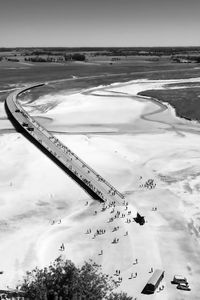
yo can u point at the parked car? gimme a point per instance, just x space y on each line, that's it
179 279
183 286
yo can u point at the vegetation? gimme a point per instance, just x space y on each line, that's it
63 280
107 51
36 59
184 100
186 58
45 58
78 56
13 59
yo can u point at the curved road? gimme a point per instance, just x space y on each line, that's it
83 174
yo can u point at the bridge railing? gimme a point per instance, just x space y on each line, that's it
65 148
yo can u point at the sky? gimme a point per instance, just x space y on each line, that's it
99 23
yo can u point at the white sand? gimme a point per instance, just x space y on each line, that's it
34 191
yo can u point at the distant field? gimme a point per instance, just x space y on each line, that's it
136 67
102 71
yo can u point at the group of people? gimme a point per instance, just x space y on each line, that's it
128 220
154 208
126 213
117 214
149 184
99 232
133 276
115 241
54 222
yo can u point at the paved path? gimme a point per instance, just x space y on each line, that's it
83 174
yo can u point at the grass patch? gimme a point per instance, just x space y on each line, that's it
186 101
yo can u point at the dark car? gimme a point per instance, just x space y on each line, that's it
184 286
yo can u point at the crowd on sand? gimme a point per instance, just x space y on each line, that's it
125 214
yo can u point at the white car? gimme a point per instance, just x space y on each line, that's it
179 279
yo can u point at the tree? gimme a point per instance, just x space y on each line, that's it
59 278
67 57
119 296
63 280
78 56
93 284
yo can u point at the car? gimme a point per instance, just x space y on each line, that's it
179 279
183 286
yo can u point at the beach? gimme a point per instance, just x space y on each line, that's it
129 140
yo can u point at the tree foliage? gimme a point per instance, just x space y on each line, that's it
63 280
119 296
78 56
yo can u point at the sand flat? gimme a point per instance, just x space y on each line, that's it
34 191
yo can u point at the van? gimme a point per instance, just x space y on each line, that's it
153 282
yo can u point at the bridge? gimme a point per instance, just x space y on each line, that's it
92 182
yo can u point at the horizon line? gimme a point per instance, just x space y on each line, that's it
69 47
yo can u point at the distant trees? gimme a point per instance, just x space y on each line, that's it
78 56
13 59
64 281
186 58
75 56
36 59
66 57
